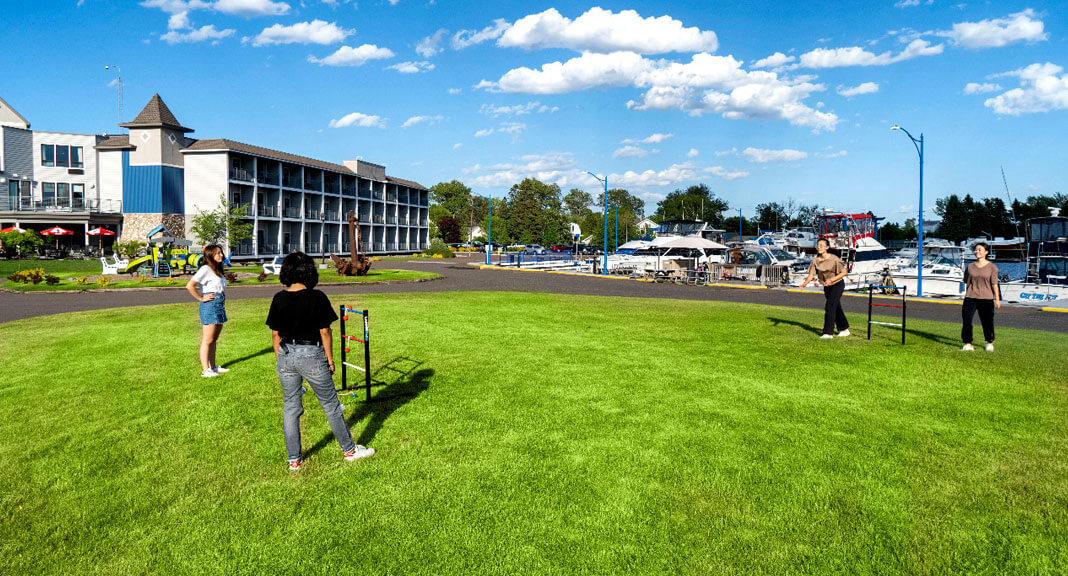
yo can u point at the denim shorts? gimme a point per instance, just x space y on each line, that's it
213 311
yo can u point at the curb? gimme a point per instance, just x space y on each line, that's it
1048 309
881 297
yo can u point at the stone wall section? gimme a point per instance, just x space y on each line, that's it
137 226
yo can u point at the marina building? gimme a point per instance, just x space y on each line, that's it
158 175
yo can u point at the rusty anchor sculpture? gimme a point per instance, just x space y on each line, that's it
359 265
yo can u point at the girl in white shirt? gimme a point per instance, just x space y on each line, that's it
212 297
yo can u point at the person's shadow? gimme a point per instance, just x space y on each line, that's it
404 384
808 327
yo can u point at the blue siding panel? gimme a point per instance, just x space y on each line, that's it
141 187
173 190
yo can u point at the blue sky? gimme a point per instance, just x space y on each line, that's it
762 101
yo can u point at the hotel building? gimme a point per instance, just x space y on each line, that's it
156 175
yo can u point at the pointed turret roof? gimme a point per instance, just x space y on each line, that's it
155 114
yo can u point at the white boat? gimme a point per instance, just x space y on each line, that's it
1046 283
852 238
801 240
679 251
943 272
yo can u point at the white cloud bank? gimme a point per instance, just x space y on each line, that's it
314 32
358 119
201 34
599 30
763 156
999 32
1043 88
977 88
863 88
349 56
821 58
411 67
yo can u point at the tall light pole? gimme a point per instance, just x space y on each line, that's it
605 182
918 144
615 222
119 86
739 224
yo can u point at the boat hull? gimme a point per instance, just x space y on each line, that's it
1044 295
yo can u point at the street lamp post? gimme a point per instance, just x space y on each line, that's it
918 144
739 224
604 270
615 222
489 227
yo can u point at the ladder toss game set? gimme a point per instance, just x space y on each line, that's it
345 349
871 304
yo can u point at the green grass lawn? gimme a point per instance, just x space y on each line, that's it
57 267
128 281
537 434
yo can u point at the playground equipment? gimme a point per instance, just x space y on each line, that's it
345 349
871 304
166 255
359 265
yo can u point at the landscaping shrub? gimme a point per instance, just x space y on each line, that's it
51 280
439 249
103 282
82 282
262 277
231 278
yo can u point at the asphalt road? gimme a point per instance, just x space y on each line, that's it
459 276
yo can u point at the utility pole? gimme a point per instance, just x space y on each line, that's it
118 83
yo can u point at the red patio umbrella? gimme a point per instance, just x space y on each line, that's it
57 231
100 232
14 228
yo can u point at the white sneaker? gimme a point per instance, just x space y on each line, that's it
968 348
209 374
826 336
843 333
989 346
359 452
221 370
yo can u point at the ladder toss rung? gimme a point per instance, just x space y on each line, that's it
354 367
886 323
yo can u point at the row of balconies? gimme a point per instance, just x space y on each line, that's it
314 182
74 205
247 249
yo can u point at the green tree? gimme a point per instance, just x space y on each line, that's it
500 227
450 229
749 226
910 229
956 221
534 213
805 215
226 225
455 197
696 202
16 244
772 216
629 209
577 203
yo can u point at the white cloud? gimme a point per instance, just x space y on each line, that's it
516 110
431 45
455 91
837 154
587 71
314 32
692 153
358 119
1043 88
1019 27
630 152
724 173
655 138
726 152
600 30
457 146
650 178
857 56
513 128
863 88
349 56
465 38
179 21
484 133
251 8
553 168
976 88
421 119
198 35
909 3
762 156
411 67
776 60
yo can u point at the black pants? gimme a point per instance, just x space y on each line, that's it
986 317
832 310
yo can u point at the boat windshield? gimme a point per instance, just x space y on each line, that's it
781 254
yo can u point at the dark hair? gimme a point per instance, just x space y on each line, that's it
983 244
299 268
209 259
825 241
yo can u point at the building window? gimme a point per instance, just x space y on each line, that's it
62 156
48 155
77 195
63 194
48 193
76 157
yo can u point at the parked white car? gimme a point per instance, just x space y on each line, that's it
273 267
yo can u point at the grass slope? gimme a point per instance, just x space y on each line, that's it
536 434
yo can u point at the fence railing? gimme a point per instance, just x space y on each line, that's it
241 174
291 212
312 214
331 215
243 250
311 247
268 248
51 205
267 210
268 178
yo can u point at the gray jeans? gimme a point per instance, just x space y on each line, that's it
297 362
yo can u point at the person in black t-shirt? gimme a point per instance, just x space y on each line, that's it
300 319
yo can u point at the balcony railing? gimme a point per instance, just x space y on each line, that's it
378 194
379 219
268 210
269 178
243 250
391 246
290 247
75 206
311 247
292 180
329 248
291 213
242 174
247 207
391 219
391 196
331 215
268 248
312 214
379 247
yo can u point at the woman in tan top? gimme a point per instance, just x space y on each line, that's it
831 270
982 294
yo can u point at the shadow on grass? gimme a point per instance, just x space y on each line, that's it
932 337
267 350
808 327
403 383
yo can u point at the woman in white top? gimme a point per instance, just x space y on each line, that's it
212 297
